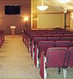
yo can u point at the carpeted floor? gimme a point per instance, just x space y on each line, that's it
16 62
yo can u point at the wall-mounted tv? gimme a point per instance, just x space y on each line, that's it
14 9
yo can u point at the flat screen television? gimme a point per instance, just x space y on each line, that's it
12 9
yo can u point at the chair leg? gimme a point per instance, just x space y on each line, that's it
64 72
43 72
32 52
33 55
59 70
37 59
29 46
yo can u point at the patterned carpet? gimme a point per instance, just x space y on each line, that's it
16 62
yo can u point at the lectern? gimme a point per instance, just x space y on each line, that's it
12 30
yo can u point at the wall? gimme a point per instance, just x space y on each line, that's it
50 21
33 14
71 21
16 20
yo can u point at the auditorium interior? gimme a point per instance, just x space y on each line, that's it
36 39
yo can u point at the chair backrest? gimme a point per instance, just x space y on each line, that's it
53 38
68 35
43 45
71 44
56 56
70 61
57 35
40 38
62 43
67 38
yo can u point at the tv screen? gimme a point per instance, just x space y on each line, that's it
12 9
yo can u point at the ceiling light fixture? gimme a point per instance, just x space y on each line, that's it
64 1
42 7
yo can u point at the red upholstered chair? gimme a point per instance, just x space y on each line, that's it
70 60
42 45
0 41
55 57
71 44
1 37
34 41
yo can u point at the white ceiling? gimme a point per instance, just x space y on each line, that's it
54 5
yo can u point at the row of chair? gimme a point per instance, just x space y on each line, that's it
32 33
38 44
1 37
46 31
56 57
28 39
35 40
44 45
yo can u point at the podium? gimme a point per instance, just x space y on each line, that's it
13 30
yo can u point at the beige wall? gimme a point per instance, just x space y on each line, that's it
71 21
49 21
16 20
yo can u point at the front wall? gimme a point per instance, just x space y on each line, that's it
14 20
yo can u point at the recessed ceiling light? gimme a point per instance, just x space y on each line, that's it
64 1
42 7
